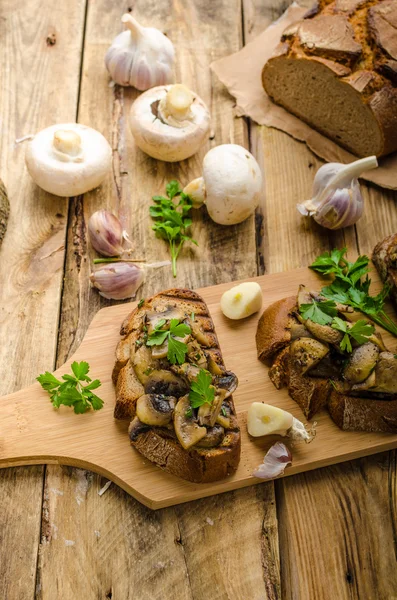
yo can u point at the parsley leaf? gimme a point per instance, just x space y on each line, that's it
141 302
177 350
201 390
319 312
351 286
172 220
71 392
359 331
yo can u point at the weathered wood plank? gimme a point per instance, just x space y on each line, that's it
125 560
40 82
359 497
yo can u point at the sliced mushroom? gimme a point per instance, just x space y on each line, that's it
228 381
200 335
213 438
135 428
143 363
325 333
208 413
153 317
224 416
304 296
160 351
386 374
196 355
186 370
365 385
299 330
307 353
187 429
155 409
166 383
213 367
361 363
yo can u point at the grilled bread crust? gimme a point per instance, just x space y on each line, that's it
158 444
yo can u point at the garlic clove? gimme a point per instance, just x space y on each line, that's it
117 281
265 419
337 201
106 233
276 459
242 300
141 57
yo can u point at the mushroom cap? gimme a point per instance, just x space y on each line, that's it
233 183
70 178
160 140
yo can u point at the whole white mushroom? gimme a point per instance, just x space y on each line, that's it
169 122
68 159
230 186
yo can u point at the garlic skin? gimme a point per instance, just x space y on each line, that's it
68 159
276 459
118 280
181 127
106 233
141 57
337 201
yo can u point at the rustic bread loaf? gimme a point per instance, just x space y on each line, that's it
337 70
160 443
363 414
385 260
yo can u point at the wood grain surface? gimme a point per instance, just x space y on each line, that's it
324 535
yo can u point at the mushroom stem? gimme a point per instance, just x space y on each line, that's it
196 192
178 101
67 142
135 28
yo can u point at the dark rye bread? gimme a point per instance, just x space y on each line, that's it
362 414
159 444
384 258
337 70
310 393
273 332
199 465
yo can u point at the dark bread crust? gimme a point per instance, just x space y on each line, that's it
310 393
273 332
360 414
316 67
199 465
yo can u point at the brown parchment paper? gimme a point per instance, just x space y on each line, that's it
241 74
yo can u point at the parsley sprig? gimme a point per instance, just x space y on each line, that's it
351 286
201 390
172 221
71 391
360 331
319 312
177 350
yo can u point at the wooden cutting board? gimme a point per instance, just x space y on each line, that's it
32 432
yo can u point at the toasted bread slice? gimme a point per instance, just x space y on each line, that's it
273 332
311 393
160 444
279 371
363 414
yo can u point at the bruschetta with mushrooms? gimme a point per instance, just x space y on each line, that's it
172 384
329 362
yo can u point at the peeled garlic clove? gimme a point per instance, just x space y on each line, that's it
337 201
117 281
242 300
106 233
265 419
142 57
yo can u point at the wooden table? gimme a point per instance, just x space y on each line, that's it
328 534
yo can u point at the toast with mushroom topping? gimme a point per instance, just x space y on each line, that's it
358 387
172 384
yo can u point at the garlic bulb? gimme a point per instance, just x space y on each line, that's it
337 201
68 159
118 280
142 57
106 233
